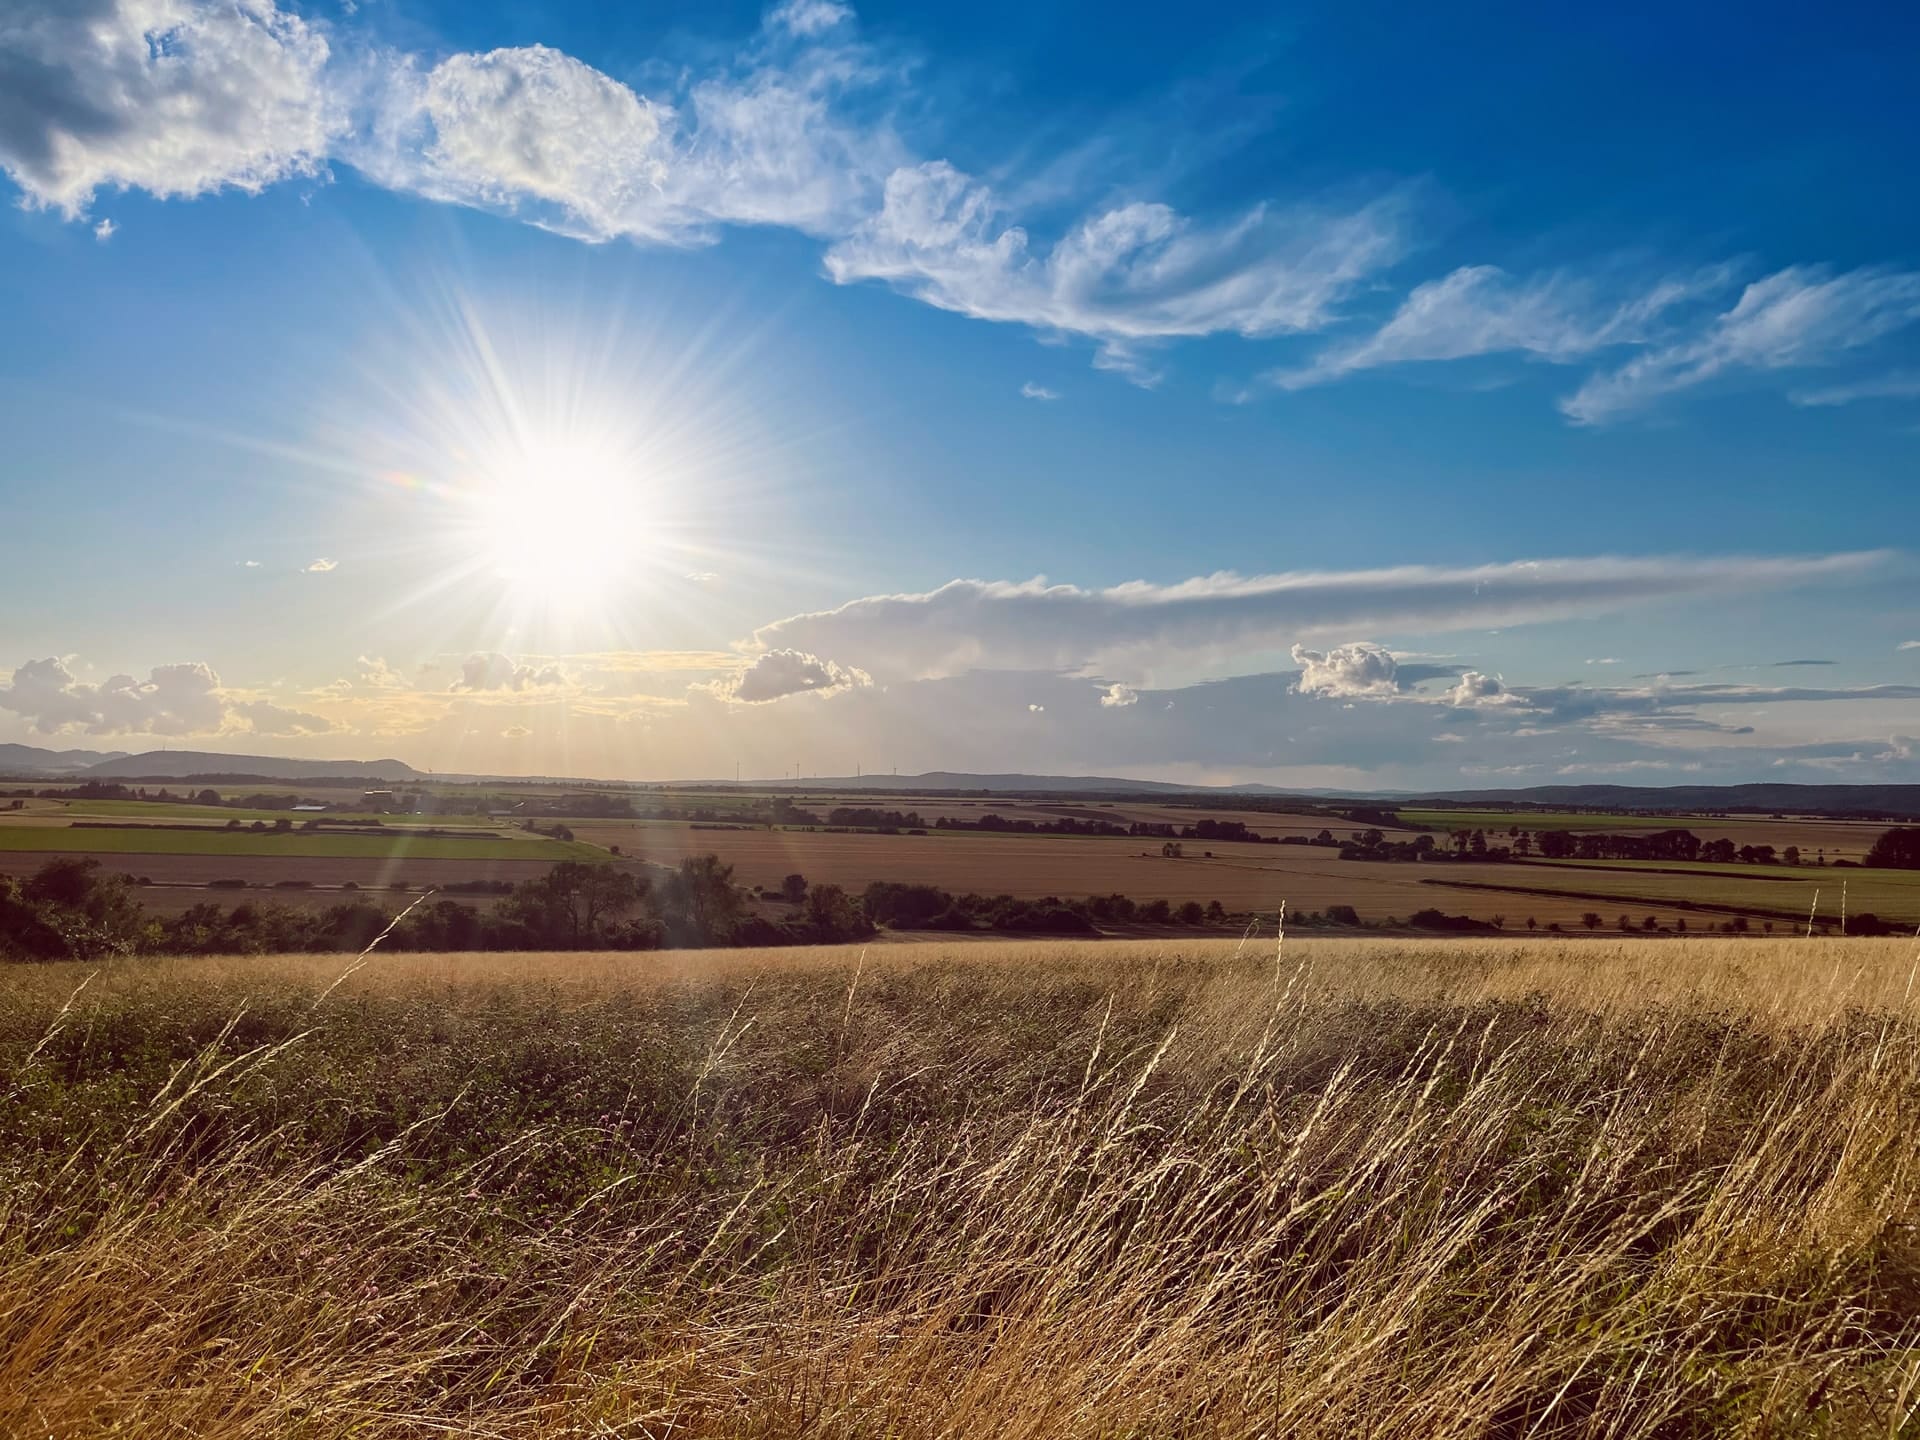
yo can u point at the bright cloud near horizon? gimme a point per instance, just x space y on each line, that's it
653 396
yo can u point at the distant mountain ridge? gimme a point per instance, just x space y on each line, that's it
184 764
1831 799
30 762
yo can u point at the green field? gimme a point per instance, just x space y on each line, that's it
167 810
1787 892
1490 820
312 844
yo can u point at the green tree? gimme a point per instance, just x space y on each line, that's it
572 904
832 914
1896 850
793 889
702 903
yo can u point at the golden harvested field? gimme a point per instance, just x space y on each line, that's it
1383 1188
264 870
1258 877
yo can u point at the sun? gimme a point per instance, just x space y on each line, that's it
562 524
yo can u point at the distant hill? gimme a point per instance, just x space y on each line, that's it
186 764
1001 784
1901 801
1786 799
31 760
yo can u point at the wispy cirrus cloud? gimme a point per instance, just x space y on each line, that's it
795 128
1482 310
1895 385
1126 276
1803 316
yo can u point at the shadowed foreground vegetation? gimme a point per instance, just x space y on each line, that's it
1035 1189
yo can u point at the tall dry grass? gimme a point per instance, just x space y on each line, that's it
1355 1188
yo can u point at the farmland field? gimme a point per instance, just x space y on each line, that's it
1840 839
1345 1188
300 844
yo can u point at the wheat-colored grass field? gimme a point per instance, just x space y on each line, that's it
1329 1188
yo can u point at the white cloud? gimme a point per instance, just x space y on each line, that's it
515 732
779 673
250 564
1135 273
1896 385
322 566
490 670
532 126
1482 310
1908 645
377 674
1475 691
263 717
1032 625
174 97
1607 660
1347 670
103 231
533 132
1038 392
172 700
810 17
1036 709
1800 316
1117 697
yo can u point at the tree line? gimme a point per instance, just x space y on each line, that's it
1896 849
70 909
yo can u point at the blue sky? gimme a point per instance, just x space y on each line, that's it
1386 396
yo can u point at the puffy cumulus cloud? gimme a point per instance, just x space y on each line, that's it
172 700
1802 316
533 132
490 670
531 127
779 673
1034 708
1473 690
1118 697
322 566
1137 272
182 97
975 624
1347 670
174 97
